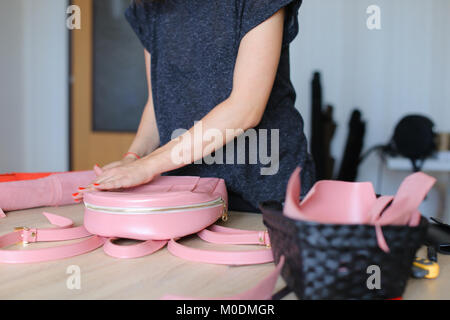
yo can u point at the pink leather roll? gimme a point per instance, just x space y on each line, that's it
54 190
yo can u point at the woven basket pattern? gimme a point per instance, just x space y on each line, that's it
326 261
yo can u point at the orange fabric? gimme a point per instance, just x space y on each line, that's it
9 177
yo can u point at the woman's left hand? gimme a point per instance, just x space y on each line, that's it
127 176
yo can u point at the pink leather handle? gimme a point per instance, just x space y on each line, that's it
376 211
133 251
215 234
220 257
263 291
223 235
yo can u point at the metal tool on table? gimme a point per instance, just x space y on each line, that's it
437 241
426 268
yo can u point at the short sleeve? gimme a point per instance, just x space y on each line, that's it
140 19
255 12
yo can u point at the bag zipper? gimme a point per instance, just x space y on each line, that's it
205 205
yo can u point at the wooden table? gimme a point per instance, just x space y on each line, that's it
103 277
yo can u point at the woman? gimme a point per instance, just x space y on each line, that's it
216 66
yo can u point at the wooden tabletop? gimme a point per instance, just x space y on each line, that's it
103 277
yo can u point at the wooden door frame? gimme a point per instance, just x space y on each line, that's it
88 147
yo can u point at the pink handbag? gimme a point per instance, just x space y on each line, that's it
167 208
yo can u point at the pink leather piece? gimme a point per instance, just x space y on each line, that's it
161 226
59 221
132 251
334 202
39 235
222 235
48 254
378 207
349 202
54 190
406 202
415 219
48 235
263 291
164 191
241 258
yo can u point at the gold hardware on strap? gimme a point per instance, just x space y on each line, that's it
262 239
18 229
21 229
225 212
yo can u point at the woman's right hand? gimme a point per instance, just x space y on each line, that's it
98 170
123 162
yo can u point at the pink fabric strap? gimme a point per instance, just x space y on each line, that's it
263 291
62 233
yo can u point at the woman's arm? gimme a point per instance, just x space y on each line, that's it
147 137
254 76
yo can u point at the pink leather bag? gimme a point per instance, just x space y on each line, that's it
167 208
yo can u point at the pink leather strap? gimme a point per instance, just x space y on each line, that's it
132 251
62 233
410 195
223 235
378 208
263 291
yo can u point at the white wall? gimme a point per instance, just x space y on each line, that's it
11 86
402 68
34 86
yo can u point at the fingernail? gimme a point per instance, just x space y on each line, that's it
97 165
96 184
75 194
81 188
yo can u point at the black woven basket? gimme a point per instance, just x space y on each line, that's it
325 261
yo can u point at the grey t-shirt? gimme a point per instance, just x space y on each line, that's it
194 45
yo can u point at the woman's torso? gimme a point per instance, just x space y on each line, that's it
194 45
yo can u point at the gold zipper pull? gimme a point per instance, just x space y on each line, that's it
225 212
